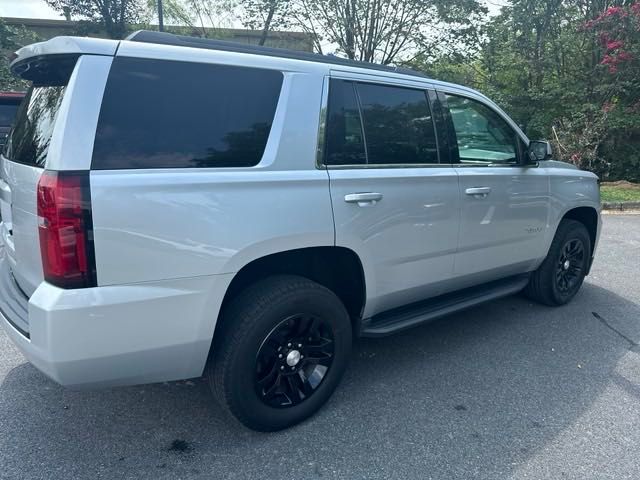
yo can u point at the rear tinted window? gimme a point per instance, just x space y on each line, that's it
29 140
345 142
166 114
398 125
378 124
7 114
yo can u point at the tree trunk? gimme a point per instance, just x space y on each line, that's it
267 22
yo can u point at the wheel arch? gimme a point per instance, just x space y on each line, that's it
589 217
337 268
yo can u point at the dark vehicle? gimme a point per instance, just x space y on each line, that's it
9 103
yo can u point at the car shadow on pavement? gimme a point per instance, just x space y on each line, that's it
482 391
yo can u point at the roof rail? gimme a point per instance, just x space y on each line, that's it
164 38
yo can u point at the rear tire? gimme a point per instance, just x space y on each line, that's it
280 351
560 276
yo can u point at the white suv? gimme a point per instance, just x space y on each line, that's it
174 207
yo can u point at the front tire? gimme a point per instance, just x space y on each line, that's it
562 273
280 352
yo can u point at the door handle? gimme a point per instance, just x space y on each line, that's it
363 199
478 192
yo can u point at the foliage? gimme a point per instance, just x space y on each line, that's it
112 15
382 31
265 15
201 18
11 39
566 70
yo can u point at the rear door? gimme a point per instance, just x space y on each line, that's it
504 204
21 168
49 131
394 203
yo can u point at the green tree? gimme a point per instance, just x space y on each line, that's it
201 18
112 15
265 15
382 31
567 70
11 39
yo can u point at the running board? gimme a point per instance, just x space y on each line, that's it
401 318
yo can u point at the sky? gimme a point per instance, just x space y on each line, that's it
39 9
27 9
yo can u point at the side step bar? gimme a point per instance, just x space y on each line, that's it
401 318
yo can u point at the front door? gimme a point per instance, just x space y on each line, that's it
394 204
504 204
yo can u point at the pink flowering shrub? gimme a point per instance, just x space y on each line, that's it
618 32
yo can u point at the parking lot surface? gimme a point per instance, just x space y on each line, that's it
510 389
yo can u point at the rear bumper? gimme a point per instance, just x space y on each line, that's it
120 335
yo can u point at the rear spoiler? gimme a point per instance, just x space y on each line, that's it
66 46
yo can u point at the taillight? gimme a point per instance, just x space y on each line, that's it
66 229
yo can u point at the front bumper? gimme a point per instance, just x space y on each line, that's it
120 335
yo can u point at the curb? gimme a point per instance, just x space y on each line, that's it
621 206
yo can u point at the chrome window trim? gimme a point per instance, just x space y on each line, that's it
375 78
388 165
322 124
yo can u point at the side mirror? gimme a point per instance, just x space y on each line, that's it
538 151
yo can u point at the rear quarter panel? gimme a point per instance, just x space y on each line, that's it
173 223
155 225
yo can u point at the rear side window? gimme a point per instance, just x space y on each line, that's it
167 114
397 124
378 125
7 114
29 139
345 142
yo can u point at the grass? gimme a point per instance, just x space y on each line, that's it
626 192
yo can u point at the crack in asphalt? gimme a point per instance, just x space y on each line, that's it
632 344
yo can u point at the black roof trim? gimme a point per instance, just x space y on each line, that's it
164 38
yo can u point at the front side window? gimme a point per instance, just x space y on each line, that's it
483 136
168 114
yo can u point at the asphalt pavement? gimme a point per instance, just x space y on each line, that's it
510 389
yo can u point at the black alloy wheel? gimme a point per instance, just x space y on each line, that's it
560 276
293 360
279 352
570 266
